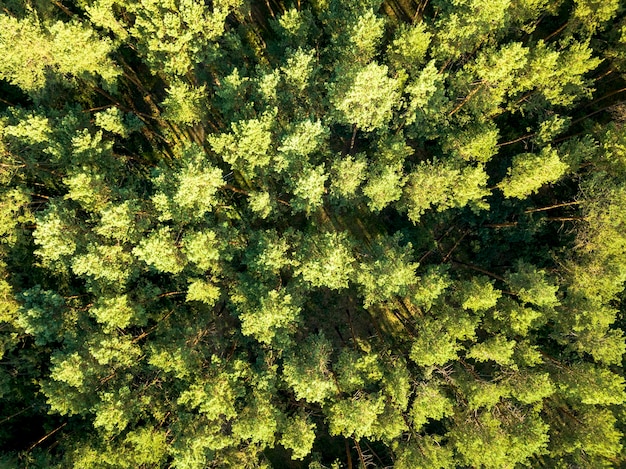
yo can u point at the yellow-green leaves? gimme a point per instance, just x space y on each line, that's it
276 313
298 436
326 261
408 49
201 290
431 403
387 272
497 349
159 251
56 234
309 189
174 36
247 146
533 286
116 312
443 186
189 190
184 104
436 342
34 50
355 417
530 171
365 96
308 373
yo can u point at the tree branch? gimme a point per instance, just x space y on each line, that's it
41 440
467 98
543 209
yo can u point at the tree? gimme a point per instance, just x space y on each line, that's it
531 171
326 260
364 96
59 49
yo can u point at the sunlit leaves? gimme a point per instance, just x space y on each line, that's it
190 190
408 49
309 189
365 96
116 312
198 257
298 436
247 146
183 103
530 171
308 373
487 442
356 416
388 273
430 403
64 48
56 234
159 250
442 186
497 349
327 261
278 311
533 286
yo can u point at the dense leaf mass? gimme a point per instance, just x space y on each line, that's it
312 233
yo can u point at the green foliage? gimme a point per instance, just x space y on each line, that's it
41 314
159 250
592 385
174 36
326 234
496 349
309 189
355 417
355 371
247 147
409 47
364 96
532 286
436 342
298 436
388 273
326 260
56 234
531 388
308 372
486 442
347 175
276 311
478 294
429 404
441 186
426 454
188 191
183 104
531 171
60 48
116 312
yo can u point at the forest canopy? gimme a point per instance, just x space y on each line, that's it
312 234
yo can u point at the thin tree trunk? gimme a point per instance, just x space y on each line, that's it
467 98
543 209
479 269
519 139
551 35
348 455
41 440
